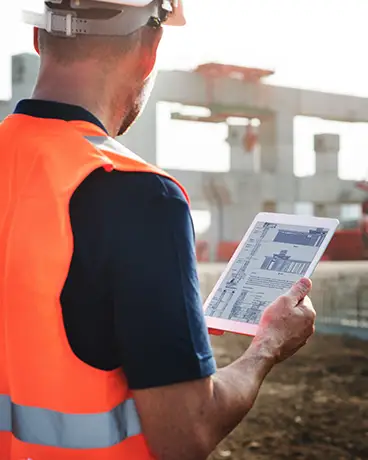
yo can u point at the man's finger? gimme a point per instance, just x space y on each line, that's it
307 306
299 290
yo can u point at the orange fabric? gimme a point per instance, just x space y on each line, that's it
42 164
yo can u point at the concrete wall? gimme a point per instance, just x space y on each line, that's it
340 295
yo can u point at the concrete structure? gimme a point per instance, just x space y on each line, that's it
340 289
24 73
254 183
234 197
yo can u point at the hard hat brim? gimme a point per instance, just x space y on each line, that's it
45 21
177 19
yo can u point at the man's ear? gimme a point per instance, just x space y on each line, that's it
35 39
151 39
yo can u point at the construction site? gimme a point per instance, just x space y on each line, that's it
314 406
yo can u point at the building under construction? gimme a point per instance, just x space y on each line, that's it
261 176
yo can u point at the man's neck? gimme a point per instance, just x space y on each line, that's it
93 94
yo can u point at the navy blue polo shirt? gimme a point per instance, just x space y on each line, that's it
132 295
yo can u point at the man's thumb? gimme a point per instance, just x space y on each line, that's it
299 290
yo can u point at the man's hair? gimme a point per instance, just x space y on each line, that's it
80 48
66 50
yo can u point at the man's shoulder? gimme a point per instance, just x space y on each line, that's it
135 185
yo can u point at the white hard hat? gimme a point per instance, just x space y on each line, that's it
131 15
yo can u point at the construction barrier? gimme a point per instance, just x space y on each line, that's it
346 245
225 250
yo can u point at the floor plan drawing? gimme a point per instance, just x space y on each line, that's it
270 261
310 238
282 262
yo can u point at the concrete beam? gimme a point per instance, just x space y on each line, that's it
269 187
327 189
259 99
190 89
239 196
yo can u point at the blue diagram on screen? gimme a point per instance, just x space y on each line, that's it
281 262
311 238
271 259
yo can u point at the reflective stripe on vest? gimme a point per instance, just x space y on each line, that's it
111 145
108 144
70 431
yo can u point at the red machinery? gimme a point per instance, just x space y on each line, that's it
351 243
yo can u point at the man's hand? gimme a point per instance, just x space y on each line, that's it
287 324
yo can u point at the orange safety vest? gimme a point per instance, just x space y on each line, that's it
52 405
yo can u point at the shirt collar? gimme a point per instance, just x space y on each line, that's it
56 110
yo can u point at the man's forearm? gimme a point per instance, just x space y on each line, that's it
235 389
190 419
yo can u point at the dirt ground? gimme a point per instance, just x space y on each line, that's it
312 407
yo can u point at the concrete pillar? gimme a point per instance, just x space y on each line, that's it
319 210
285 207
214 234
332 210
276 137
231 209
141 138
237 219
24 74
327 147
240 159
229 223
4 110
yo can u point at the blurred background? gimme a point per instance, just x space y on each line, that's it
263 106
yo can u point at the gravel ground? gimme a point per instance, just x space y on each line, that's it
314 406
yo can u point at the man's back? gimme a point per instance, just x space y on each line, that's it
41 247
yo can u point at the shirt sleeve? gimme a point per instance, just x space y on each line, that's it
160 330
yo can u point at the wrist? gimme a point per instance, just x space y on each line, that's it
263 351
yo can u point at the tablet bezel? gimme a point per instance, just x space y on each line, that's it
226 325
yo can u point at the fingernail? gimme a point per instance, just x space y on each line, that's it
305 283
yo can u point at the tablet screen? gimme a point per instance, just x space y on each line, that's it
272 258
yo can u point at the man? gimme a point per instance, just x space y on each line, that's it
104 353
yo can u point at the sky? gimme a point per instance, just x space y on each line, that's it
313 44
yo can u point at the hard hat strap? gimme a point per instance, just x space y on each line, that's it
66 23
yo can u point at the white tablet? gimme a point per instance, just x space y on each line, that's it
276 251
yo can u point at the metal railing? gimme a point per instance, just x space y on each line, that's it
340 296
345 311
